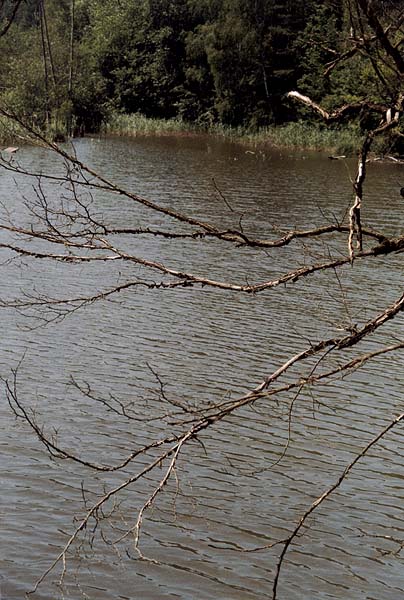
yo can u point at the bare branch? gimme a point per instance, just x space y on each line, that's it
325 495
340 113
381 34
390 121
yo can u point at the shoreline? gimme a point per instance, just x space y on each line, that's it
297 135
294 136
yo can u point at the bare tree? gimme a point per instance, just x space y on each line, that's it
68 230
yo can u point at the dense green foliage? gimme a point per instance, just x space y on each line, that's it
68 64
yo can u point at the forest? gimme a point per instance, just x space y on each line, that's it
71 64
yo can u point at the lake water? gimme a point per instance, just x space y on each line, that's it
205 345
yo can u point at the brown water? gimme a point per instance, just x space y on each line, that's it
206 344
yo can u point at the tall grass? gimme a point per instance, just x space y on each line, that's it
137 124
299 135
10 131
292 135
311 136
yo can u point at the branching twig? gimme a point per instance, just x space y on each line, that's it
325 495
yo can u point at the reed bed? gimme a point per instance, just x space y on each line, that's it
299 135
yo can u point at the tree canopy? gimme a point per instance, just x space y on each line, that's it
232 62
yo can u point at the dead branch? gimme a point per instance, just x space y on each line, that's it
390 120
340 113
381 34
55 236
325 495
211 418
50 443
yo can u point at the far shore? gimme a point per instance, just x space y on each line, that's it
300 135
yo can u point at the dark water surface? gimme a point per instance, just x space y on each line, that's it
205 345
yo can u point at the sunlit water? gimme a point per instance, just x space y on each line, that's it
206 345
